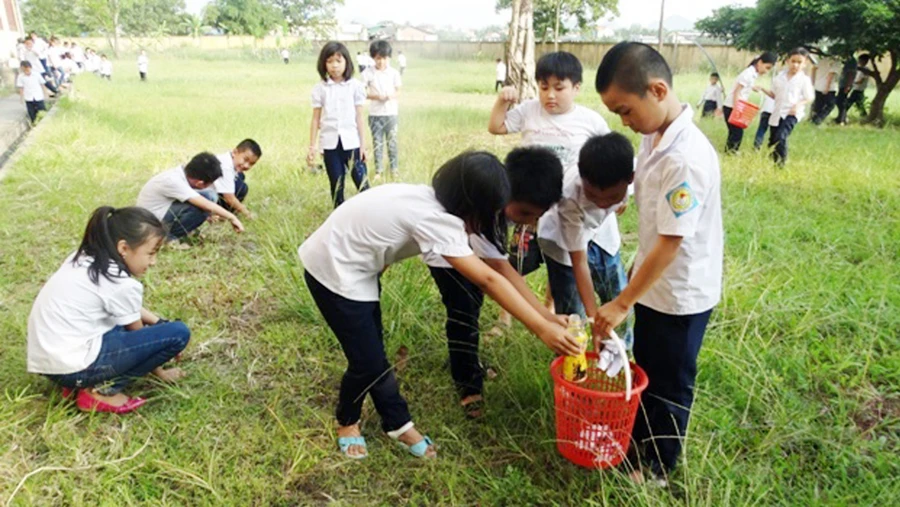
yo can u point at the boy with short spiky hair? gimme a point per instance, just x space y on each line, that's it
382 88
232 186
677 274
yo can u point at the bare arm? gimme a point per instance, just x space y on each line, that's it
360 127
236 204
828 81
737 91
503 267
211 207
497 123
148 318
314 134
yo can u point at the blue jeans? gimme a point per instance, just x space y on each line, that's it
608 277
384 128
128 355
183 217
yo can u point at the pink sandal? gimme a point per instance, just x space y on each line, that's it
88 403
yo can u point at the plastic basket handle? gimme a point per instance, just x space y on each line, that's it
620 345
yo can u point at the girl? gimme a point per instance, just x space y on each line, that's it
87 329
792 90
743 85
344 258
337 121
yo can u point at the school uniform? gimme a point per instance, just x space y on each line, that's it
143 64
166 196
825 95
789 91
712 100
339 134
768 106
677 193
343 260
401 61
76 333
106 69
857 97
231 182
32 92
383 115
745 79
500 75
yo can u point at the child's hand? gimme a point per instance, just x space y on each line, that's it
362 154
793 111
607 318
557 339
509 94
311 156
236 224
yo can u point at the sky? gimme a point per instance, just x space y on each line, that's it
473 14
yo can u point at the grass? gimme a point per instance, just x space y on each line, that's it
797 397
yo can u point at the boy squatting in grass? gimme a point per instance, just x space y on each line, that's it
345 257
337 121
554 121
678 269
88 330
382 87
232 187
535 180
182 197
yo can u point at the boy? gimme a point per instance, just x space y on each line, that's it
401 61
31 90
143 63
286 56
857 91
174 198
677 274
712 97
231 187
382 87
581 259
825 77
501 75
105 68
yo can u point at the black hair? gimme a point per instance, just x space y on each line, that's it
767 57
330 49
606 160
380 48
631 66
561 65
249 145
473 186
25 64
864 58
204 167
798 51
535 176
715 75
106 228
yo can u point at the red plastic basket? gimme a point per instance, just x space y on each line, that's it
743 113
594 418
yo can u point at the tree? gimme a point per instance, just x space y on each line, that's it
520 49
726 23
152 17
193 25
317 16
244 17
104 16
553 17
838 27
56 17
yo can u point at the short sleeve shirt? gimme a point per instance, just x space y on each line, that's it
482 248
382 82
826 67
165 188
338 102
225 184
790 91
31 86
745 79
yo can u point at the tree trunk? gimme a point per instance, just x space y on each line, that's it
520 52
884 89
114 8
556 28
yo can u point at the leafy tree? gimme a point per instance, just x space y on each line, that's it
152 17
550 13
726 23
315 15
104 16
244 17
193 25
56 17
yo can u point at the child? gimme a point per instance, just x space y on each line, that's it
88 329
582 258
337 121
712 97
345 257
401 61
743 85
501 75
143 63
857 95
535 180
173 197
792 90
286 56
31 90
382 87
360 61
768 106
232 187
105 68
826 79
677 274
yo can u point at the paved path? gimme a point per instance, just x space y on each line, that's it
14 125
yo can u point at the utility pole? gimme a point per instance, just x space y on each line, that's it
662 15
556 29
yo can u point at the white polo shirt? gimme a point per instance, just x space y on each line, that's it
746 79
31 86
376 228
382 82
714 93
143 62
574 221
564 134
401 61
677 187
788 93
165 188
71 314
338 102
225 184
828 66
483 248
860 82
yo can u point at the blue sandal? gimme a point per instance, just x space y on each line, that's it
418 449
345 442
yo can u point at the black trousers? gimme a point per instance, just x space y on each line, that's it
778 140
240 191
735 134
33 106
337 162
666 347
844 102
357 325
463 300
826 107
709 108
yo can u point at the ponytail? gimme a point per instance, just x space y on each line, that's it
106 227
767 57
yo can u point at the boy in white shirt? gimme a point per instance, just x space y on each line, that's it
826 77
182 198
500 75
382 87
857 95
31 90
792 90
677 274
401 61
105 68
143 63
286 56
712 97
232 186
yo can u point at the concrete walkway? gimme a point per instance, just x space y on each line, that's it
14 125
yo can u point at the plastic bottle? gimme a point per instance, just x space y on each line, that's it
575 367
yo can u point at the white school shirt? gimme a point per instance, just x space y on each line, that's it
338 121
54 56
860 82
71 314
349 251
34 60
828 66
40 47
564 134
285 54
31 86
746 78
382 82
768 105
225 184
789 92
501 71
713 92
165 188
105 68
677 192
143 62
574 221
401 61
77 54
483 248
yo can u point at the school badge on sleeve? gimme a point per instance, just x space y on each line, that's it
681 199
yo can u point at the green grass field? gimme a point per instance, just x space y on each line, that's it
797 399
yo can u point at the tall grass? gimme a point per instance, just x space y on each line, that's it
797 398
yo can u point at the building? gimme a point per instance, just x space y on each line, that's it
11 29
414 34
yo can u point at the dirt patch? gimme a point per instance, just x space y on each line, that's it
875 412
